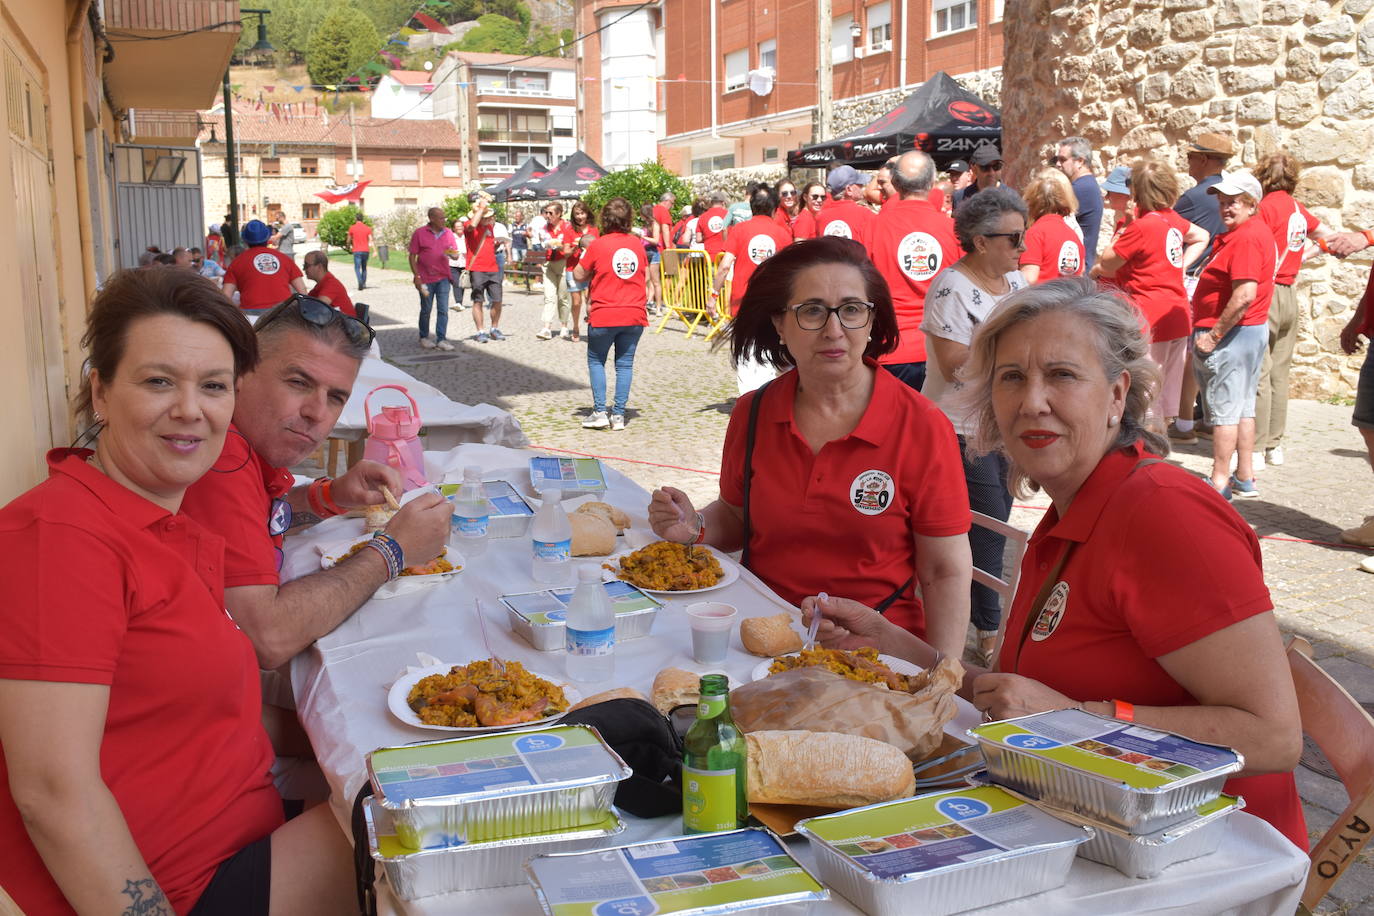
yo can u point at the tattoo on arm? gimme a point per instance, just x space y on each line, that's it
146 899
303 519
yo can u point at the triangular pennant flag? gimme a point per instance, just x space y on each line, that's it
429 22
331 88
395 88
270 88
407 31
298 88
391 59
429 87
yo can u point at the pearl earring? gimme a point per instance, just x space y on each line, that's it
1113 420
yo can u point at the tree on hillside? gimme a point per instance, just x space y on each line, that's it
345 40
494 34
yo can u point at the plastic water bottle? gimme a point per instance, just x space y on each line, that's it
471 512
551 533
590 629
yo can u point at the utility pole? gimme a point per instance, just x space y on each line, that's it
464 126
230 168
825 83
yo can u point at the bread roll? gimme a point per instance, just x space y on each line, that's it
825 768
618 693
610 513
675 687
769 636
377 516
591 536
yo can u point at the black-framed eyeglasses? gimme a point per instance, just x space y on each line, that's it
1058 160
322 315
813 315
1013 237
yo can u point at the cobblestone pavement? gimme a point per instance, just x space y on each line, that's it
680 403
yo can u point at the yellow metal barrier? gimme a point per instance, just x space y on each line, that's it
685 277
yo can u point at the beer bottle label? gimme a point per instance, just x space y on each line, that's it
711 706
708 800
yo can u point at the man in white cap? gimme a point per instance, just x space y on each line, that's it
841 215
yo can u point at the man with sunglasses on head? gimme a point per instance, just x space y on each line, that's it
1074 157
285 408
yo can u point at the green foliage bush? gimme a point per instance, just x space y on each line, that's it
639 184
344 41
459 206
396 226
333 225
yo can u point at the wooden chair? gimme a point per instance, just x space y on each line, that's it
1345 733
1011 568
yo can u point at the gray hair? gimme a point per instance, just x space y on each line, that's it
912 173
284 318
1079 148
667 196
719 197
1122 346
979 214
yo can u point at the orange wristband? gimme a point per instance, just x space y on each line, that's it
1369 236
1123 711
1321 243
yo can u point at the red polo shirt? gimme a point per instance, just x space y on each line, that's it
576 257
481 248
1123 609
1054 247
616 265
359 237
104 587
1153 273
711 225
1290 222
262 276
338 297
235 498
662 216
752 242
844 521
846 219
1245 253
804 226
910 242
431 265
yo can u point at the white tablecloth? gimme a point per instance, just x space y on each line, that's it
340 686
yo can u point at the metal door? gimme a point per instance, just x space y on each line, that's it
157 199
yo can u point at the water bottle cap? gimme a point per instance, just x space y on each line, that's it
551 494
588 573
471 472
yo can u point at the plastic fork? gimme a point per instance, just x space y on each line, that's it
815 626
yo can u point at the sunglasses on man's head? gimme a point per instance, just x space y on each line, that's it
322 315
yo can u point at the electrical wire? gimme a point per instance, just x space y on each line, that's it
123 37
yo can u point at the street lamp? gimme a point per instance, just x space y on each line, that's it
230 230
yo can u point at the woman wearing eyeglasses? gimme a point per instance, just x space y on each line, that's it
991 227
853 480
134 775
812 199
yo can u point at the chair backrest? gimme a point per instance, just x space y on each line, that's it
1006 585
1345 732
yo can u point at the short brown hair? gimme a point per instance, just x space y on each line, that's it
1049 191
131 295
1154 184
616 216
1278 172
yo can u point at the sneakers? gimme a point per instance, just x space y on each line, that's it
1362 536
482 337
617 421
445 346
497 335
565 334
598 420
426 343
1274 456
1179 435
1243 489
544 334
1367 565
1224 491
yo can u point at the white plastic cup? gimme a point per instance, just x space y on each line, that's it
711 623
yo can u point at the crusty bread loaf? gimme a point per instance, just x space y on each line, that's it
618 693
674 687
825 768
592 536
769 636
610 513
377 516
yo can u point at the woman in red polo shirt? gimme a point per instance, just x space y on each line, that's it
854 481
1054 248
1063 379
134 775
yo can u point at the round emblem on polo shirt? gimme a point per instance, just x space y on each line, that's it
624 263
838 227
716 223
871 492
919 256
266 264
1052 614
761 248
1173 247
1070 264
1297 231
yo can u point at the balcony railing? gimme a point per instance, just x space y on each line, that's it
495 135
488 169
521 91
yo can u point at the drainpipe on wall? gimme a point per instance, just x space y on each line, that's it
901 65
86 250
714 92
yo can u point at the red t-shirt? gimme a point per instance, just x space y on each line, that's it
616 265
910 242
262 276
844 521
573 236
1152 276
1290 223
1053 246
711 225
1107 637
104 587
1244 253
752 242
235 497
937 199
338 297
663 216
785 220
804 226
359 237
846 219
481 248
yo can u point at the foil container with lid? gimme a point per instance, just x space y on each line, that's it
492 787
944 852
708 874
573 476
510 513
1139 779
413 873
540 618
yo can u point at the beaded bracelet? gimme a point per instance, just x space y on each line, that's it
385 554
393 547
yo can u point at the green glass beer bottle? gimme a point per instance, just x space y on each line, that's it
713 764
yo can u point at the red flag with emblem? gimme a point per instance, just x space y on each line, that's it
340 193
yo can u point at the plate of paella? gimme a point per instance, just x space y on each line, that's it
478 697
668 568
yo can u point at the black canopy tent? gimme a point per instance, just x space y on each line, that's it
942 118
530 170
570 178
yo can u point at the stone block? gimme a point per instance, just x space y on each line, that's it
1303 64
1341 50
1237 81
1317 10
1174 5
1126 117
1147 30
1284 11
1318 143
1256 107
1172 56
1261 44
1110 37
1358 211
1297 103
1323 186
1216 56
1237 12
1154 88
1133 58
1074 69
1119 15
1363 177
1354 99
1178 120
1337 28
1190 25
1222 109
1335 76
1106 63
1145 137
1193 83
1358 8
1366 44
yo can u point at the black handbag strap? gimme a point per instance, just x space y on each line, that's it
749 435
364 869
901 590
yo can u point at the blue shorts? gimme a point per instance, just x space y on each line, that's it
572 285
1229 375
653 256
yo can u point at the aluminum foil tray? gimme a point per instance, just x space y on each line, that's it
413 874
574 476
510 512
538 617
1138 779
493 787
709 874
945 852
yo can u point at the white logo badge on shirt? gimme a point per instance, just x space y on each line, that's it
871 492
1052 614
624 263
919 256
266 264
716 223
761 248
838 227
1297 231
1070 264
1173 247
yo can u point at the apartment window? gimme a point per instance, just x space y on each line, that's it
310 165
451 168
841 41
406 202
768 54
353 167
537 121
954 15
405 170
736 70
879 21
770 154
310 211
712 163
270 165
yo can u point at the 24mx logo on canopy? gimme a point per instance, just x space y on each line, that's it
971 113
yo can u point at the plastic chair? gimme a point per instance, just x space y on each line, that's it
1345 733
1004 587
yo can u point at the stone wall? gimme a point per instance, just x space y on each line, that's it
1143 76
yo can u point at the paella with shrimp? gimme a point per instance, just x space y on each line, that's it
479 694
